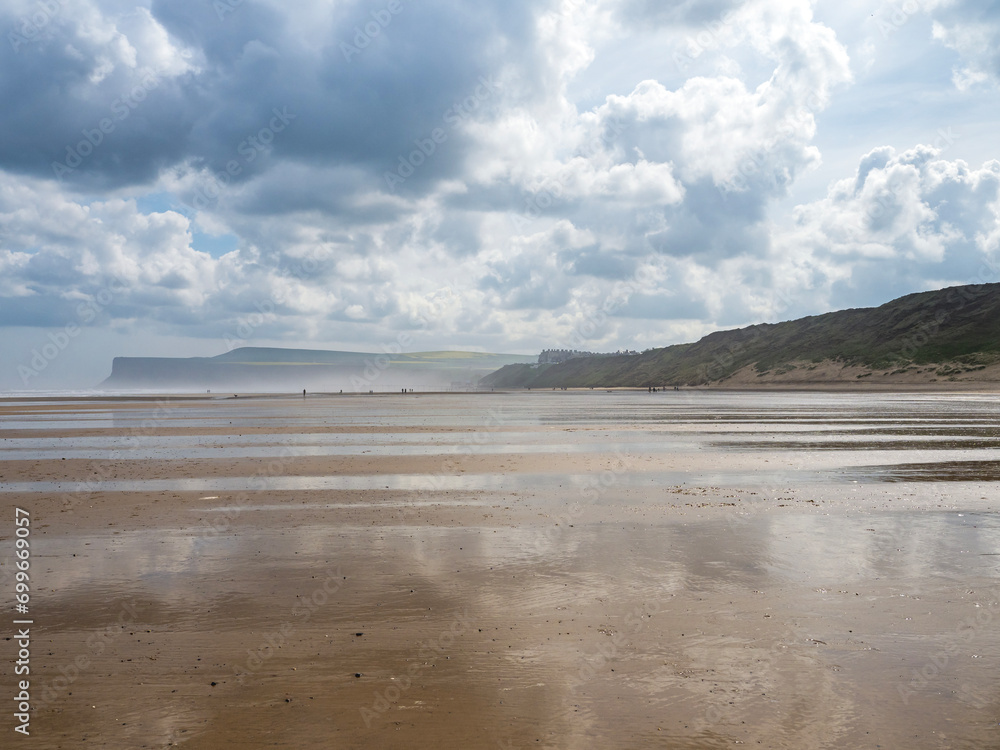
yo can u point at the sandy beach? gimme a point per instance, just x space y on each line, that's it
546 570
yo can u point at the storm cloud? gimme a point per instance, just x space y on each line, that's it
486 175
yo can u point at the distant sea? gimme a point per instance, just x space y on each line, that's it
92 393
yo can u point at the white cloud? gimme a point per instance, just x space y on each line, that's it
972 29
904 218
576 167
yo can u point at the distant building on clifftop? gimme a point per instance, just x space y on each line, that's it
555 356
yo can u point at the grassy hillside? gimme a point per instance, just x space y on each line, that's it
944 333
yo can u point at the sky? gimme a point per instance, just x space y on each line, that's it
184 177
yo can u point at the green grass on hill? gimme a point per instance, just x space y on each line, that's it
954 325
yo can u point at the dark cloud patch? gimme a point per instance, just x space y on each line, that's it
529 280
345 196
538 293
684 13
658 138
496 196
52 269
40 310
373 106
223 39
380 104
663 305
871 285
603 265
714 223
65 116
460 234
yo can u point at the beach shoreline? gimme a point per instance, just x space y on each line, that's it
615 610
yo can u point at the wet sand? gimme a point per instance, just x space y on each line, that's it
627 570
